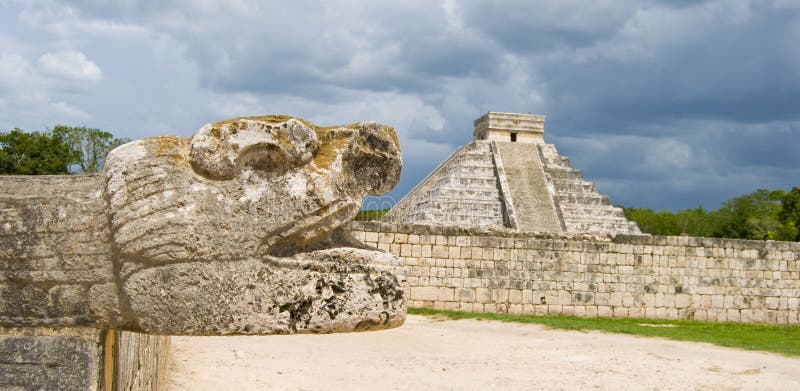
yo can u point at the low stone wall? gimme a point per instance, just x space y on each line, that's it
80 358
141 361
624 276
51 359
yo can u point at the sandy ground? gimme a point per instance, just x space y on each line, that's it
434 354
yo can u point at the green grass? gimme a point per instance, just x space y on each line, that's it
769 338
372 214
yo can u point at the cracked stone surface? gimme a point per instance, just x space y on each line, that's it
236 230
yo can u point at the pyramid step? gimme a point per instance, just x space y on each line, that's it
583 199
477 201
564 173
461 221
573 186
465 193
557 161
489 183
455 216
549 151
469 161
591 211
601 226
487 169
461 205
594 220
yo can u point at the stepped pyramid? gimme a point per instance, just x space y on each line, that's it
510 178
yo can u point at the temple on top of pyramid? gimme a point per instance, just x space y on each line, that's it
508 177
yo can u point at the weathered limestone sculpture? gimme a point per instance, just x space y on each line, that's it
233 231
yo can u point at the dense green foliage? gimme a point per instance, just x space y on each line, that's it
371 214
33 153
62 150
768 338
761 215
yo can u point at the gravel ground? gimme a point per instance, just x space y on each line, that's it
434 354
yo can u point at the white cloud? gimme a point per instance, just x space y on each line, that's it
13 69
70 111
71 65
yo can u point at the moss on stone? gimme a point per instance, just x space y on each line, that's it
172 147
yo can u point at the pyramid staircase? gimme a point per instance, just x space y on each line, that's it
582 208
463 191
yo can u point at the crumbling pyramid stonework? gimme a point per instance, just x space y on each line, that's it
509 178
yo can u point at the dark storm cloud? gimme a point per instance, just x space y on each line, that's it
741 70
535 28
666 104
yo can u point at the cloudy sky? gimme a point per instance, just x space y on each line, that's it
663 104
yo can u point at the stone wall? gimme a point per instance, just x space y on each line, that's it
141 361
584 275
81 358
51 359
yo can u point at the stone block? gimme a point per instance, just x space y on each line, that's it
682 300
500 295
733 315
483 295
439 251
446 294
465 295
604 311
370 236
772 303
46 359
424 293
405 250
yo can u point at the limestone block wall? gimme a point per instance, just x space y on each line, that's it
140 361
51 359
644 276
81 358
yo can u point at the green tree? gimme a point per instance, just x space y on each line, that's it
751 216
34 153
789 217
760 215
694 222
89 146
62 150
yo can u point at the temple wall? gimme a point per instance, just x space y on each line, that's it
661 277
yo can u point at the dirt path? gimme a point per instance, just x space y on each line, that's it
432 354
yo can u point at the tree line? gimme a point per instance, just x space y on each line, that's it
760 215
60 150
